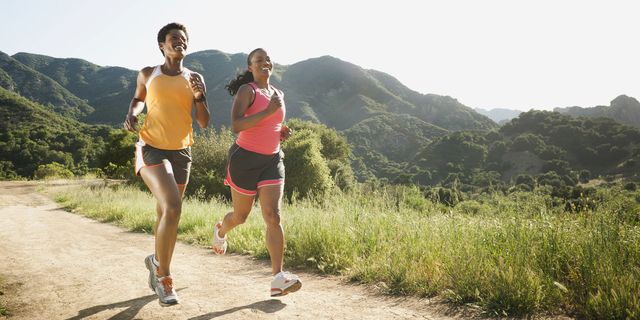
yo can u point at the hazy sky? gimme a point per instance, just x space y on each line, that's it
490 54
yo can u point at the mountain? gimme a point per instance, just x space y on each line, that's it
535 143
31 135
107 89
218 68
49 108
376 111
623 109
386 143
324 89
342 94
499 115
35 86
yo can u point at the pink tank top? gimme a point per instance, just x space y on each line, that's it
264 137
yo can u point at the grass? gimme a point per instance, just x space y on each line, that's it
3 309
514 255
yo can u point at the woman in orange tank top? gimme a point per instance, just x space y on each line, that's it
163 154
255 163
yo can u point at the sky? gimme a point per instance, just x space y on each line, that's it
514 54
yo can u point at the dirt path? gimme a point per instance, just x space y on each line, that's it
58 265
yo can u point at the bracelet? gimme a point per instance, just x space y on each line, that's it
201 99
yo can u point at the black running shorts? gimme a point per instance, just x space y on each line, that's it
247 171
176 162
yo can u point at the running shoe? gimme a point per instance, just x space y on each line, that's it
167 296
219 244
284 283
152 266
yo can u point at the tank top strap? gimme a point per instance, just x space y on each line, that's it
156 72
186 73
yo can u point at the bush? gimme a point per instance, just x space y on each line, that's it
584 176
51 171
115 171
208 170
527 180
307 171
7 171
446 196
335 150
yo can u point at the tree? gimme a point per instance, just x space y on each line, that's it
119 154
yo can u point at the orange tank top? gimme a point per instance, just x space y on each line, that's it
169 101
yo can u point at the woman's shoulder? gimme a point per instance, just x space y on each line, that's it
146 72
280 92
247 87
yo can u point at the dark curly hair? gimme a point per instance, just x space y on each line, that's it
162 34
242 78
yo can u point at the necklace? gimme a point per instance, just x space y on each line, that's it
266 91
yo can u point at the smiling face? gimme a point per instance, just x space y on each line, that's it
175 44
260 64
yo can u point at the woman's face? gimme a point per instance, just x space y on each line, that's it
175 44
261 64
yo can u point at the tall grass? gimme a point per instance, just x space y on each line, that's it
513 255
3 308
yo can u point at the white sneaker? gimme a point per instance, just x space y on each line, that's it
219 244
167 296
152 266
284 283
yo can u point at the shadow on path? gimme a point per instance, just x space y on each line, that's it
133 307
267 306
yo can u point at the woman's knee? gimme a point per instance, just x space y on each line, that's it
271 216
239 217
172 210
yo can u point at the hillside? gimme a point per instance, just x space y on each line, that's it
379 114
386 143
536 143
623 109
107 89
35 86
31 135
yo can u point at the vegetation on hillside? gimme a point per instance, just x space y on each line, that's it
31 136
37 87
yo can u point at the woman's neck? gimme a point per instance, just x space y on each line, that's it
172 67
262 83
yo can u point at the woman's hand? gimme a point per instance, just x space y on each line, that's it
285 133
130 122
197 86
275 103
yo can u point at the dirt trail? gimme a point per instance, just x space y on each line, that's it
58 265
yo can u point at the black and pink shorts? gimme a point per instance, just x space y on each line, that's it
176 162
248 171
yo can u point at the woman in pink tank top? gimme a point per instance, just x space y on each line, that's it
255 163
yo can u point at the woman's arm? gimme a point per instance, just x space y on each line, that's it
200 99
137 103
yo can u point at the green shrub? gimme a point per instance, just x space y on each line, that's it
307 171
208 170
51 171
